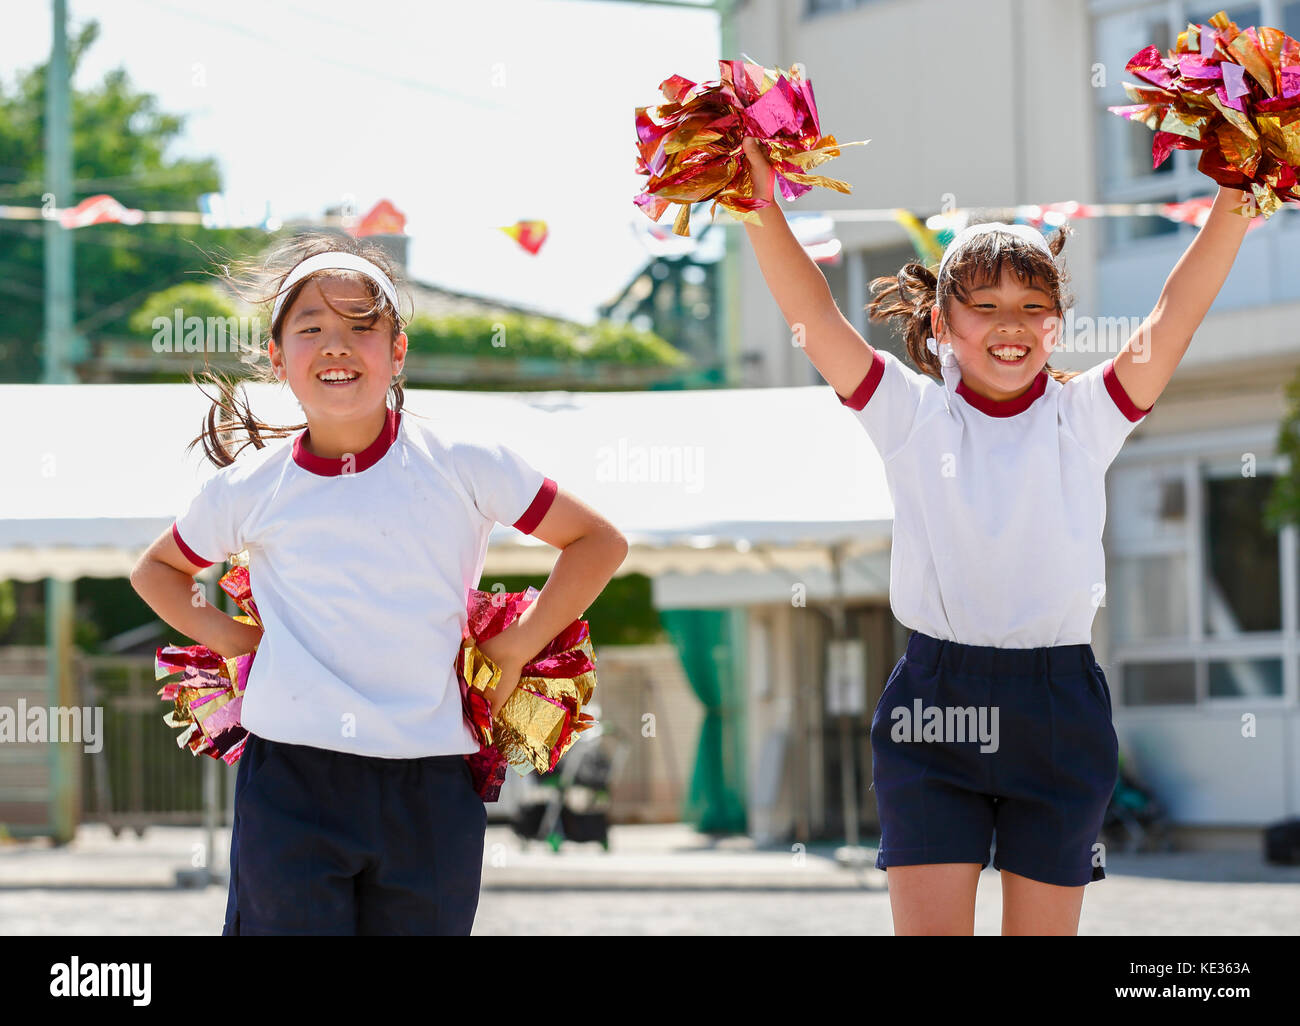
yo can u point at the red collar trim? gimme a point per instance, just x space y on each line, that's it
1005 407
366 458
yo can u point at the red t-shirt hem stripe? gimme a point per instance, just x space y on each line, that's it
1127 406
867 388
537 510
188 552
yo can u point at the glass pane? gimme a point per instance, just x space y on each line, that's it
1126 153
1147 565
1243 583
1159 683
1149 507
1245 678
1245 15
1120 36
1121 230
1147 596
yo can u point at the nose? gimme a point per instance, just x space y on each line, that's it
335 341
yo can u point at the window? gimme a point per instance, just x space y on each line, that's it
1172 683
1197 584
1243 579
1245 678
813 8
1150 540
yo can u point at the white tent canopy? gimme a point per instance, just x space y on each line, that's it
717 480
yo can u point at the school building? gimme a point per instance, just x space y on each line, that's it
988 104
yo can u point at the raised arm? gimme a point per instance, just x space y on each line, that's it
1148 360
839 353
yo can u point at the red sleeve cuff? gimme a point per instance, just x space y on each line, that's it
188 552
867 389
1126 405
537 510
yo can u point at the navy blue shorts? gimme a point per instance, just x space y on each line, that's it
329 842
1021 744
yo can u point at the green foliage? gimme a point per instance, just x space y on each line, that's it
191 298
621 343
8 606
622 614
119 142
510 336
1284 504
517 336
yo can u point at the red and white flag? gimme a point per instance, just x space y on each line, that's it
102 209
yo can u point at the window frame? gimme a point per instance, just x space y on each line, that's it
1196 456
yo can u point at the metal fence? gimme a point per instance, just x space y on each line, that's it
140 777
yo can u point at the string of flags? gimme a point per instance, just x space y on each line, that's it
814 230
929 237
222 210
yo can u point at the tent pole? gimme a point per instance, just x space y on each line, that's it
852 853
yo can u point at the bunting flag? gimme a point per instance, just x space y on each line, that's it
1197 211
218 210
816 233
102 209
382 219
529 234
929 249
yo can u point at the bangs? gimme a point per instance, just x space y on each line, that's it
379 303
982 263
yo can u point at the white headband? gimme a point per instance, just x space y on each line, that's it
332 261
1021 231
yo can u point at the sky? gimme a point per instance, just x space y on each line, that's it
465 115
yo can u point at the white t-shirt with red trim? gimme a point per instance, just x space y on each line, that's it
998 505
360 568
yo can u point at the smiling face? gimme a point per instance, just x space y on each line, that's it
314 340
1002 337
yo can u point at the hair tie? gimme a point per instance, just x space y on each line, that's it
334 260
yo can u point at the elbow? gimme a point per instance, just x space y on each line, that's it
618 547
618 541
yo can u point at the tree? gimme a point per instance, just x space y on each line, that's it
1284 504
119 137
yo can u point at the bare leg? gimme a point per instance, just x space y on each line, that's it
1032 908
935 899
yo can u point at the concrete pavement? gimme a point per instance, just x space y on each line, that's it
662 880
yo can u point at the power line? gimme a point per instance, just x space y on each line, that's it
34 229
333 62
162 175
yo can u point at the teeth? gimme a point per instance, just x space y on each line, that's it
1009 352
336 376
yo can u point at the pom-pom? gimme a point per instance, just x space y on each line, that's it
1233 94
690 146
544 714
